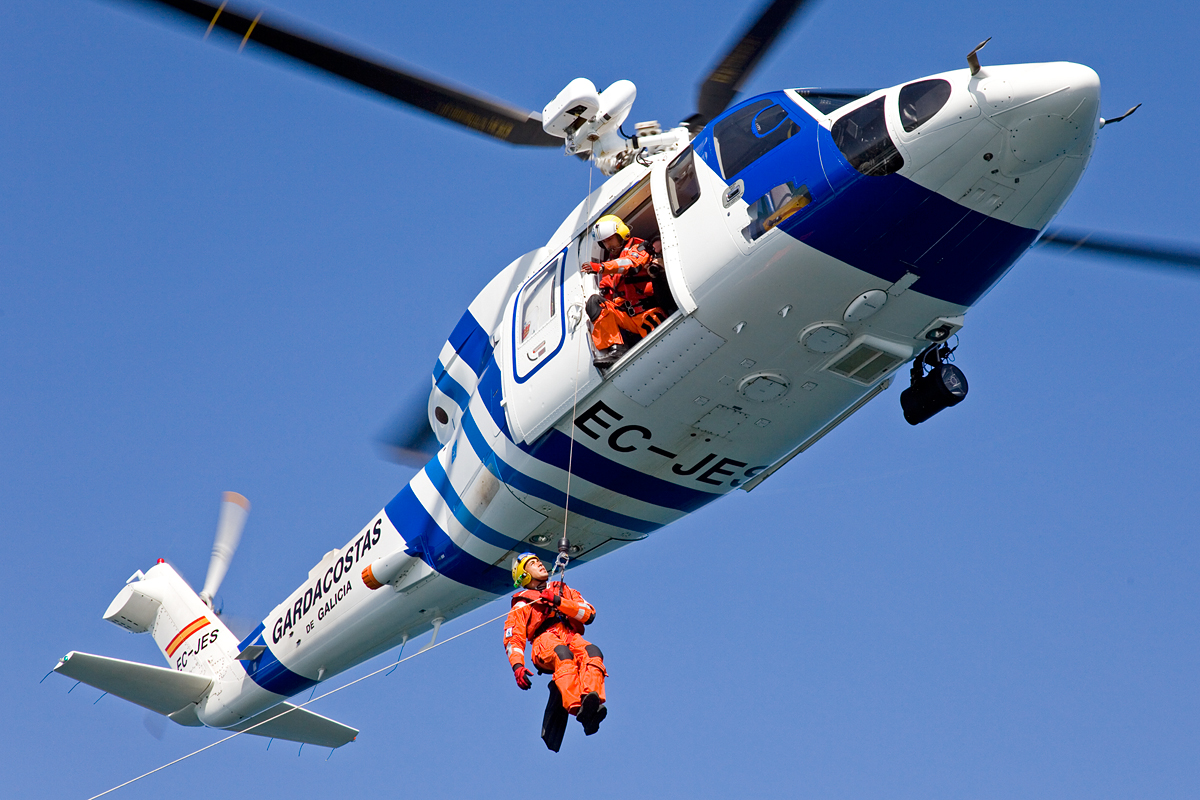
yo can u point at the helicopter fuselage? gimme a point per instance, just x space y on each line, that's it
812 248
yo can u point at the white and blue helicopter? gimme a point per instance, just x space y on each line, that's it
817 245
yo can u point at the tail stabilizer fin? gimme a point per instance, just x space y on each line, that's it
295 724
189 634
156 688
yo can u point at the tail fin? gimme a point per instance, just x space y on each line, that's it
189 634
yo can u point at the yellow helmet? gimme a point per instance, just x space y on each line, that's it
521 578
607 225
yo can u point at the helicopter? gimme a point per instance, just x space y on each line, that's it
683 467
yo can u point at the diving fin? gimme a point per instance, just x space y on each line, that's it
554 721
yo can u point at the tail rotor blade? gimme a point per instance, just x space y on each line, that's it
409 440
234 509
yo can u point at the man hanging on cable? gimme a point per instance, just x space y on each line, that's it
551 616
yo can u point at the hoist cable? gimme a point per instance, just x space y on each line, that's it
560 563
302 705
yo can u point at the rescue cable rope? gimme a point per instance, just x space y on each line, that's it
302 705
560 563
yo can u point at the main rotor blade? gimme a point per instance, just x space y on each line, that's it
723 83
1156 253
460 106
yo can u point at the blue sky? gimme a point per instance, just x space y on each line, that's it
220 272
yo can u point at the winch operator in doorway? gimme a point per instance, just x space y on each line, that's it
551 615
625 288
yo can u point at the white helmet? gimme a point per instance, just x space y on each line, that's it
607 225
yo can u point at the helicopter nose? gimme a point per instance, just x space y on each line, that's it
1049 110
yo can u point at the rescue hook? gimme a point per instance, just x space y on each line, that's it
564 556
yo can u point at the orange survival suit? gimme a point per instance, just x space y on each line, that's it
558 646
625 284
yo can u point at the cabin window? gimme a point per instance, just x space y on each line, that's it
538 302
749 133
683 185
774 207
862 136
920 101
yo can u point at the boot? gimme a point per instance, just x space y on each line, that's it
591 713
606 358
601 713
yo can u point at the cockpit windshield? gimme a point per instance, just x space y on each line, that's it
862 136
828 101
751 132
920 101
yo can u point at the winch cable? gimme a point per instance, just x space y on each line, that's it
564 544
384 668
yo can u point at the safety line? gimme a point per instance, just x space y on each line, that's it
302 705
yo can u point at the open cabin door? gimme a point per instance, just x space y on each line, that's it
548 349
548 359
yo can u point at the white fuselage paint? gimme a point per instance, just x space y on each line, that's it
683 390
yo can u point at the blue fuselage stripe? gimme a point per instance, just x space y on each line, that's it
888 225
423 535
441 482
268 672
471 342
544 491
884 225
491 393
554 448
450 387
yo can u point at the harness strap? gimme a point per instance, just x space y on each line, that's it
548 623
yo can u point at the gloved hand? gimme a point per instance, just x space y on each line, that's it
523 675
550 597
590 267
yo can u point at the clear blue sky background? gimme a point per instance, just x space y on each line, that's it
220 272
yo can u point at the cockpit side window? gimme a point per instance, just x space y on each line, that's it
749 133
862 136
683 185
920 101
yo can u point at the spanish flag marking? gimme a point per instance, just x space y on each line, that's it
192 627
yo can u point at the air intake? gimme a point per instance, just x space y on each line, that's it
865 364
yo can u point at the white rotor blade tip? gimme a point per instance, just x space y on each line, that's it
234 508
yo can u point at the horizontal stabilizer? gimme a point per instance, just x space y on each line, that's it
295 724
156 688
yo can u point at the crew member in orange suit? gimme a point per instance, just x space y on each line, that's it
552 616
625 285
